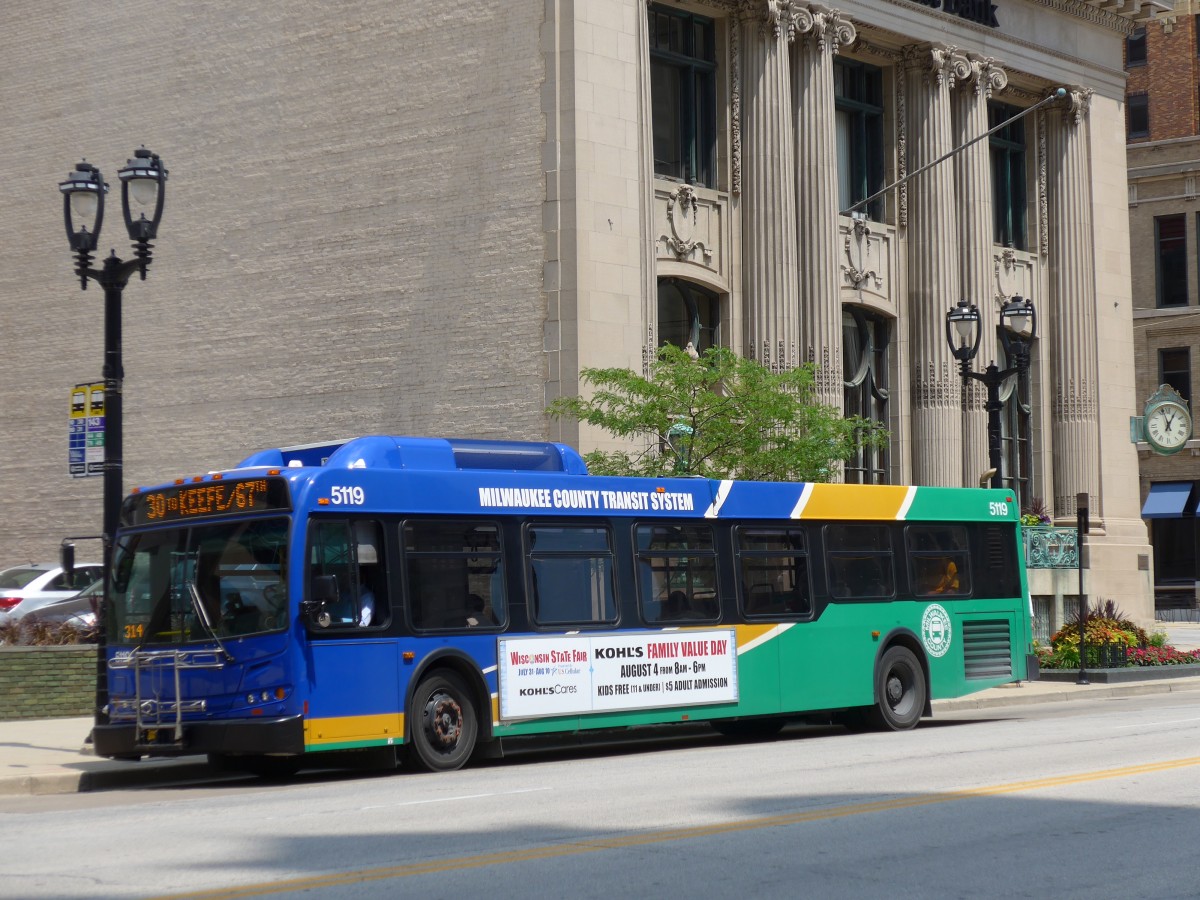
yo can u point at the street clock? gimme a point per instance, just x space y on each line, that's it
1167 424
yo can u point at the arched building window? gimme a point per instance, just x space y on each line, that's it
687 313
865 346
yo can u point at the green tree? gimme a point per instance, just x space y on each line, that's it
719 416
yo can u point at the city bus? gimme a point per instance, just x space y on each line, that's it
435 597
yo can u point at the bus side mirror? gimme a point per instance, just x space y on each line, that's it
322 592
66 556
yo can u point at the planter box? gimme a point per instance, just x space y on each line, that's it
47 682
1120 676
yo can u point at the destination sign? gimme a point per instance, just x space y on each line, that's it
206 499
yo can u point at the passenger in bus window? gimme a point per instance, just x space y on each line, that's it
366 601
479 612
369 570
948 582
680 607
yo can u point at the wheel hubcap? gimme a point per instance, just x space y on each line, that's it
443 721
895 690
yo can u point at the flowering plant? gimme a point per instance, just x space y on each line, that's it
1035 513
1163 656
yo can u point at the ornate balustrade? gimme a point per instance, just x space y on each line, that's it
1047 547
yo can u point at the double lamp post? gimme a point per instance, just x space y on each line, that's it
143 180
1018 328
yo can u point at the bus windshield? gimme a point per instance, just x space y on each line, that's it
189 585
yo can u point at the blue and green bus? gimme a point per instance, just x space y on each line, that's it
439 596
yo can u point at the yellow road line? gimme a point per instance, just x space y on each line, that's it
575 848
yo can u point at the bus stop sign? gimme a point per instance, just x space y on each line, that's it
85 430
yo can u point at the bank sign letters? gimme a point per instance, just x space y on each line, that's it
570 674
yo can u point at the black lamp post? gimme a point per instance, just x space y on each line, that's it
144 180
1018 321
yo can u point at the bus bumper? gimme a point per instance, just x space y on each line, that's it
234 736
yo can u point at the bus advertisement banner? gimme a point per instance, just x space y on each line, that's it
555 676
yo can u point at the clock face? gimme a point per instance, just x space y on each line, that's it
1168 426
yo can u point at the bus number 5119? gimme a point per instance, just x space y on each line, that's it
349 496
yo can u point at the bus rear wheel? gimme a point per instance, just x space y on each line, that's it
900 691
444 724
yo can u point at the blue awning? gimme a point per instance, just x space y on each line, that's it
1168 500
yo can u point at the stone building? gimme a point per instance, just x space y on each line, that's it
420 218
1163 130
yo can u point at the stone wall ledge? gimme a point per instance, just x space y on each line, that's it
1122 676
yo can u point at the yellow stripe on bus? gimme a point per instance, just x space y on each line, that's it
855 501
340 729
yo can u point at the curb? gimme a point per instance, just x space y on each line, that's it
105 778
1068 693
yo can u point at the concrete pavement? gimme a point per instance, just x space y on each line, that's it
51 756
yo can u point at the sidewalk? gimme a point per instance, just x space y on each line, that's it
50 756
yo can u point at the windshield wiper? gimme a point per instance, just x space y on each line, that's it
202 615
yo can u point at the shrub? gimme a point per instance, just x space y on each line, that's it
1106 624
31 631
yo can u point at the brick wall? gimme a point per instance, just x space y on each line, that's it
1169 76
352 240
47 682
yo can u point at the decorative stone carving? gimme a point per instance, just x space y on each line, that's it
986 77
1042 201
942 64
735 104
681 217
772 15
824 26
902 152
1007 283
1076 105
857 248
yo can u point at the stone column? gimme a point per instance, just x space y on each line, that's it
649 276
820 32
973 185
930 71
1071 329
768 186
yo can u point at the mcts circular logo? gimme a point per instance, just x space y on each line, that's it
935 630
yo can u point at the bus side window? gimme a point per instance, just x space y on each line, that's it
939 560
571 574
859 561
774 569
455 574
677 567
371 607
351 554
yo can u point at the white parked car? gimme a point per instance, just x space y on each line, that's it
26 589
78 609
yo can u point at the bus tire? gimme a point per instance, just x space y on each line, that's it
900 691
444 724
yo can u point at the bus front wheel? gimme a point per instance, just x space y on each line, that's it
900 691
444 724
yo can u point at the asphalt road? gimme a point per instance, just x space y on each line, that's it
1081 799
